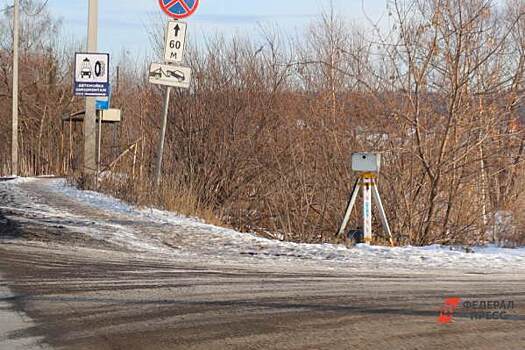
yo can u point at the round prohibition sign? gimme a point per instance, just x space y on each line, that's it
179 9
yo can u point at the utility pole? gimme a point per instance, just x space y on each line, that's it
16 39
90 127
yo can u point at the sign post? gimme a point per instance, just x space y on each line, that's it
102 104
167 74
160 151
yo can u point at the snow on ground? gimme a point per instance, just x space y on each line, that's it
31 208
14 180
193 237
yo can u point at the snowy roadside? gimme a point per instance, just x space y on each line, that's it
226 244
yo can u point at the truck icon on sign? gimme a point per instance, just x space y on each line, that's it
159 73
85 69
177 74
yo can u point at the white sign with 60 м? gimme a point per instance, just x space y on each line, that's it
175 41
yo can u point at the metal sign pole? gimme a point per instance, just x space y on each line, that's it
99 146
160 153
14 140
90 127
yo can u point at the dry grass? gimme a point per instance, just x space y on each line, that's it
170 196
176 198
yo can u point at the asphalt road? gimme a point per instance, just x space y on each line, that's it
76 292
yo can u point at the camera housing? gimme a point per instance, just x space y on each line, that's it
366 162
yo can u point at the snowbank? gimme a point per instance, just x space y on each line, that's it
222 242
168 234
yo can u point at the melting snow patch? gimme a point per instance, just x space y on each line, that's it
15 180
215 241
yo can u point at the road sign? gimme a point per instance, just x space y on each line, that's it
164 74
179 9
175 39
110 115
102 104
91 74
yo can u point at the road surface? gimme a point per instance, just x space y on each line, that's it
76 275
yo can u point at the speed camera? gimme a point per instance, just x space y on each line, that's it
366 162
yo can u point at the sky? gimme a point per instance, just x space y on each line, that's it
123 25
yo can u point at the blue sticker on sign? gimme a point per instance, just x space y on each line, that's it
102 104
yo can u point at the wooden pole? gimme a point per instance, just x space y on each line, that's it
16 39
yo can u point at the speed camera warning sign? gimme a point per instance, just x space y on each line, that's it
91 74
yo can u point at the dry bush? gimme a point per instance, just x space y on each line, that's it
44 93
519 236
262 140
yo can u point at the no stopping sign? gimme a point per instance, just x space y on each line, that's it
179 8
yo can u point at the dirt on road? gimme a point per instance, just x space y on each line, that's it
84 289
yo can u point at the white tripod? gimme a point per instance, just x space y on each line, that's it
368 181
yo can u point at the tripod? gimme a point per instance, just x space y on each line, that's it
367 181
